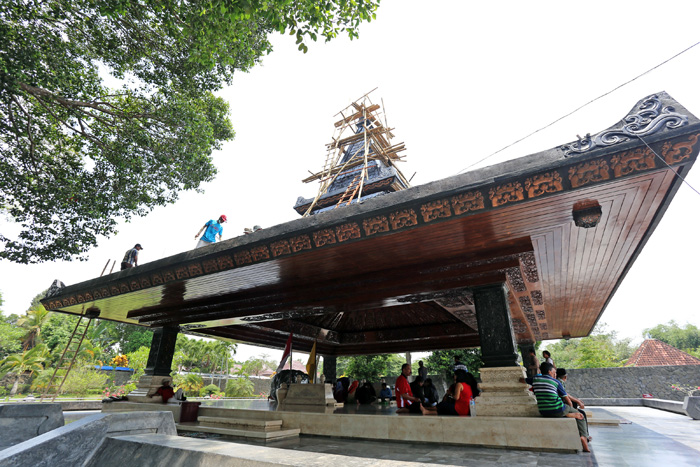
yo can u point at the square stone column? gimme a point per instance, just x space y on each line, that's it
330 367
503 395
495 328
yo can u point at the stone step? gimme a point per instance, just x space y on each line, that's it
238 432
267 425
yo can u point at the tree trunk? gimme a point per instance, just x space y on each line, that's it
13 391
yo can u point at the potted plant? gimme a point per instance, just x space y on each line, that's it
691 404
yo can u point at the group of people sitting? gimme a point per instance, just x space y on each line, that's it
421 396
350 392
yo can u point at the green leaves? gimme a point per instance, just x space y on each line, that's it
77 155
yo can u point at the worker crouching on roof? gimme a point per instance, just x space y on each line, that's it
131 258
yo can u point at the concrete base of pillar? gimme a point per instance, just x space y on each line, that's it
504 395
308 394
147 387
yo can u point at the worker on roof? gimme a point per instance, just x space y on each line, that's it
213 230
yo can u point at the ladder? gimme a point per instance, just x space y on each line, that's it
68 356
351 190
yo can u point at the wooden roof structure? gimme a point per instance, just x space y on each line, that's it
559 228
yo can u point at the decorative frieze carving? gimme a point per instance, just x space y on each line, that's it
465 202
347 231
224 262
242 258
589 172
259 253
375 225
323 237
536 297
674 153
280 248
302 242
516 279
435 210
529 266
508 193
403 218
541 184
636 160
525 305
195 269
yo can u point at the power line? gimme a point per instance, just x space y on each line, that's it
579 108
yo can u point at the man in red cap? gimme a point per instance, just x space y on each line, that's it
213 230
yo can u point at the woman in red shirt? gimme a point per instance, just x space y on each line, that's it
465 388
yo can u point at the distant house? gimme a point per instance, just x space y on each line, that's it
653 352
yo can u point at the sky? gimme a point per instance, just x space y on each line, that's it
459 81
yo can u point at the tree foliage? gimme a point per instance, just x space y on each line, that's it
686 338
370 367
239 387
30 360
77 154
443 361
602 349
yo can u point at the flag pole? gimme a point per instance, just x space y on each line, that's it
291 359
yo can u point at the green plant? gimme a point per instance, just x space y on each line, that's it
239 387
209 390
30 360
83 379
190 383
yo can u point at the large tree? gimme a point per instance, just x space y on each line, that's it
76 155
443 361
602 349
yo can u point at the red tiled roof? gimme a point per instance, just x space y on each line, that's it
653 352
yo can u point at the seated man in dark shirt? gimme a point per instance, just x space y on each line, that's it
430 393
417 388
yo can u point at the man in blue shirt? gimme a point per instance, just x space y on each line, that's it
213 230
553 401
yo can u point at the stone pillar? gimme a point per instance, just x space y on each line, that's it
157 370
160 358
329 367
503 395
495 328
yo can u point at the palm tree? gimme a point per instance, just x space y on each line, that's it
32 323
29 360
191 384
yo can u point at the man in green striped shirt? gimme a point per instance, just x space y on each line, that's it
553 401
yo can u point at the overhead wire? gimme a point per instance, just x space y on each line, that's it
581 107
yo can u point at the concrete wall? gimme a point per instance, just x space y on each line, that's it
632 382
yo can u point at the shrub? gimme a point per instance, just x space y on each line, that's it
239 387
209 390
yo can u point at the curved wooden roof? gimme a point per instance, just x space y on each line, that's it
560 228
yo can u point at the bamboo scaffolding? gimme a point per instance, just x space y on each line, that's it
373 140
